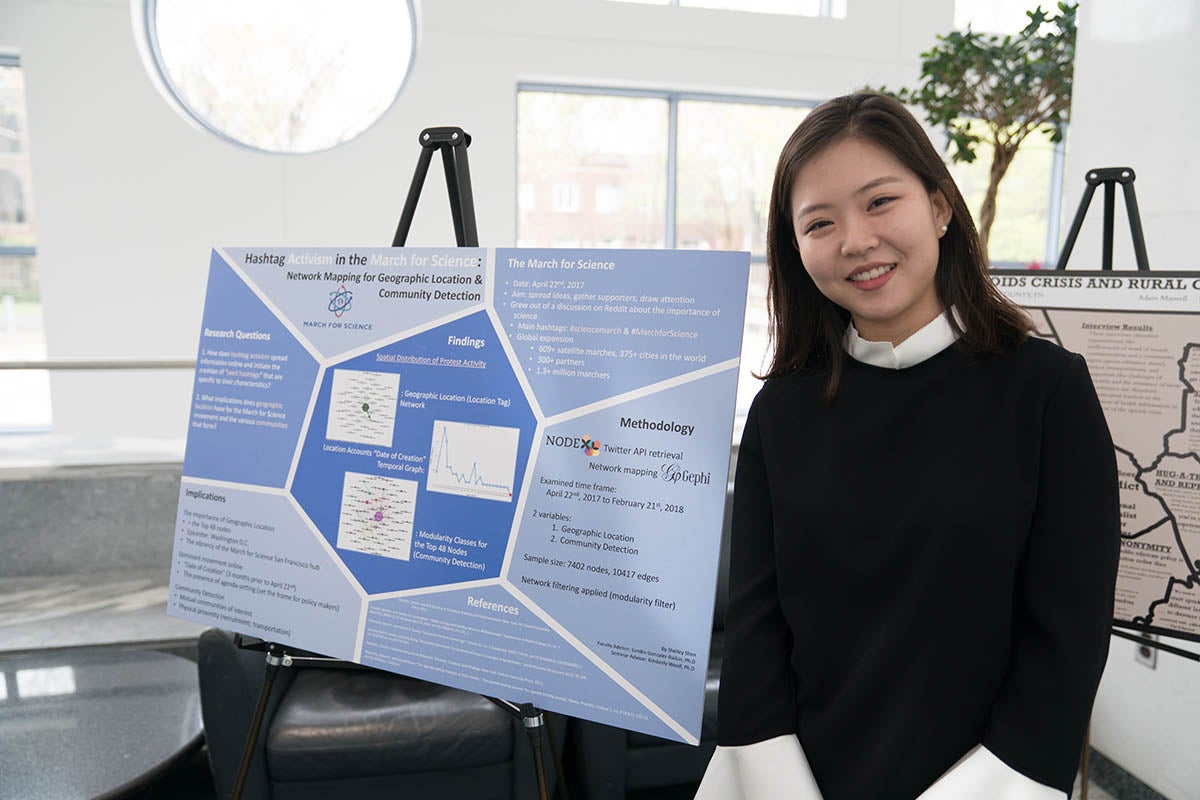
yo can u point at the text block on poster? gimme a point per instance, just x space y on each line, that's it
499 470
1140 334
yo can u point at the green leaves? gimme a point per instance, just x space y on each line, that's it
1010 86
1013 84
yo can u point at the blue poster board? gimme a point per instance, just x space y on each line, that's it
498 470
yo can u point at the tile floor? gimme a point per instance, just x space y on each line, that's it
39 613
130 607
123 607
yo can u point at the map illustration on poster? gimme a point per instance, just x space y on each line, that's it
499 470
1140 334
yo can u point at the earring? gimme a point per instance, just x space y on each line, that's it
945 228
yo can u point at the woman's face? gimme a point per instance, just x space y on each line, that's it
867 232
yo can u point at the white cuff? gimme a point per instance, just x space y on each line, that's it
766 770
980 775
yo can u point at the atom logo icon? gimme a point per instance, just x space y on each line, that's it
339 301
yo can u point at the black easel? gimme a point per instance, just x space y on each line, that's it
1166 648
453 143
1109 176
276 656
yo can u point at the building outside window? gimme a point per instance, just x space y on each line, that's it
672 169
664 169
566 198
608 199
26 393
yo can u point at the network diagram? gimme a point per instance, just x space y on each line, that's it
479 474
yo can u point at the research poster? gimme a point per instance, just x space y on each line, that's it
499 470
1140 334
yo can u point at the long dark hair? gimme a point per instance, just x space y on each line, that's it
806 327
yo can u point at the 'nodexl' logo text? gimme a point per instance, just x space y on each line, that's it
587 444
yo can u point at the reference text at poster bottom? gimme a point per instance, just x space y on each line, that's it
488 647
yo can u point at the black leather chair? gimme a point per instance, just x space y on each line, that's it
606 762
358 733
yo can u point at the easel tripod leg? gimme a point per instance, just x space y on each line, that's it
534 722
414 194
557 757
274 661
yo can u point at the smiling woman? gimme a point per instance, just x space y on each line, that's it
925 523
808 322
867 231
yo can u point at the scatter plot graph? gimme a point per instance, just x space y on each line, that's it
473 460
362 407
377 515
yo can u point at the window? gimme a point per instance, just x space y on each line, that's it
1026 229
286 76
26 393
993 16
588 140
608 199
666 169
726 162
672 169
1029 202
566 198
12 199
527 197
803 8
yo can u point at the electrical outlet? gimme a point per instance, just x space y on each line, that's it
1144 654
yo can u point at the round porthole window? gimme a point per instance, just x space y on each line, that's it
284 76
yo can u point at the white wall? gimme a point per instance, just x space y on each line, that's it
1135 104
1145 720
130 197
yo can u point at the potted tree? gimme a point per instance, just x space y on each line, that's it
981 86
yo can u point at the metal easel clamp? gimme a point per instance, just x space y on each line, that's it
453 143
1109 177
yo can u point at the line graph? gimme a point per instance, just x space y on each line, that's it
473 460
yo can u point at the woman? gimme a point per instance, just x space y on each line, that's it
925 522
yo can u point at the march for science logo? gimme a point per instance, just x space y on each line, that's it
339 300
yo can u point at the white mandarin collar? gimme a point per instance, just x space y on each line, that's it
930 340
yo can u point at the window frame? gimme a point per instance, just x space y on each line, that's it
825 10
1054 208
146 33
1054 204
673 99
12 59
